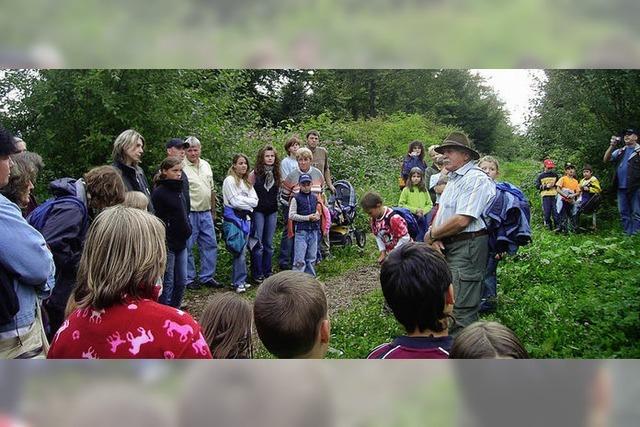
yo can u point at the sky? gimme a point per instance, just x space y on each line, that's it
515 88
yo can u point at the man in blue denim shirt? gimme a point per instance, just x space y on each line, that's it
28 263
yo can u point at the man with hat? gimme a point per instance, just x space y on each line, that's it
627 178
176 148
458 230
546 183
202 215
26 265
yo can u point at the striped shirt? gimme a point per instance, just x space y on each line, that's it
468 192
406 347
290 185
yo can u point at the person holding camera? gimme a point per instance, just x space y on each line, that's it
627 178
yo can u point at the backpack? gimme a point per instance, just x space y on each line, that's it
38 218
9 304
412 224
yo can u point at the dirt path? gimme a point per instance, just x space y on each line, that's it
341 291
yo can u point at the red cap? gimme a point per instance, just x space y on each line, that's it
548 163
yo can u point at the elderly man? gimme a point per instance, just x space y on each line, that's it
458 229
202 216
26 270
627 179
176 147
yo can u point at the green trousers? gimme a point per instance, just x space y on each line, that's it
467 260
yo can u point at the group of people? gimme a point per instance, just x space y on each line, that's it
108 245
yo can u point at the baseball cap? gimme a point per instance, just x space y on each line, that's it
548 163
177 142
305 177
630 131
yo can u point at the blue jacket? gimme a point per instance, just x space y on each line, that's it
25 257
508 219
411 162
65 232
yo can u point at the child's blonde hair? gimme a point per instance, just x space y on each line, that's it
136 200
490 159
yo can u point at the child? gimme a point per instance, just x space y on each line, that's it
303 211
136 199
239 199
590 193
290 312
417 286
416 198
487 340
414 158
226 325
546 183
167 199
568 192
390 230
491 167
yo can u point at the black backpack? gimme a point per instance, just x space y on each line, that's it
9 304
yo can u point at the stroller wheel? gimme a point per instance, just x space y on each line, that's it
347 240
361 238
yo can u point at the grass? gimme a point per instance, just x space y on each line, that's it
565 296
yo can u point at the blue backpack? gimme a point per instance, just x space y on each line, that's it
38 218
412 224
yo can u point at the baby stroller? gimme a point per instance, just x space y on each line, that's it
342 206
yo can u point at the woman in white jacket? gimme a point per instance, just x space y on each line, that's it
239 199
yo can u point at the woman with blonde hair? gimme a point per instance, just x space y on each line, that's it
127 154
118 317
239 199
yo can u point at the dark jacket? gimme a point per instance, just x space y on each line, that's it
267 200
65 232
134 180
508 219
633 171
185 192
306 204
411 162
168 198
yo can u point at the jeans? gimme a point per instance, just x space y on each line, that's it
549 210
174 278
567 217
202 232
305 249
286 244
423 225
239 268
629 207
490 289
264 226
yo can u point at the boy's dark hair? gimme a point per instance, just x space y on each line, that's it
370 200
487 340
312 132
415 279
288 311
587 167
7 143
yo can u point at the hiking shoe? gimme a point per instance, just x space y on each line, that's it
247 285
240 289
213 283
258 280
194 286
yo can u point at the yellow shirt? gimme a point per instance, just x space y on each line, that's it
200 184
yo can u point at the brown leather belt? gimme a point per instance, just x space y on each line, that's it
464 236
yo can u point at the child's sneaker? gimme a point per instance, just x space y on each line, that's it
240 289
247 285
